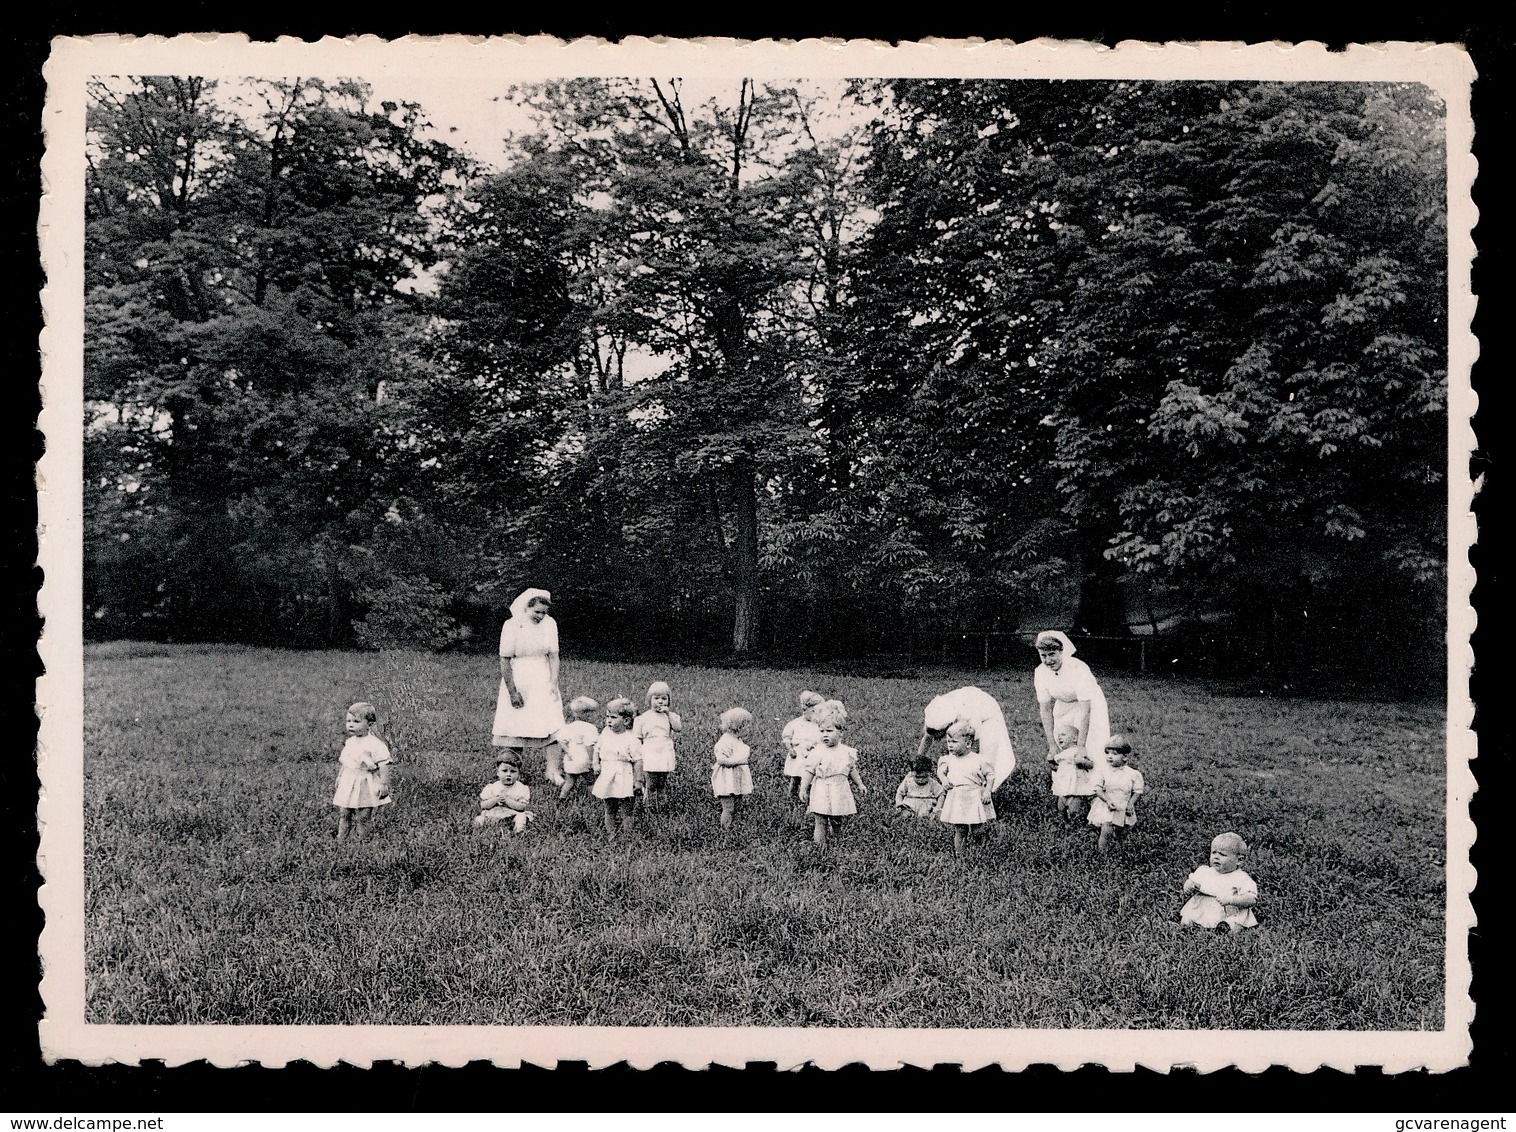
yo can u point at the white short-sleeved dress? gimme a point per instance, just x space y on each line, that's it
528 644
358 778
1065 689
619 755
655 730
1069 779
797 733
578 741
829 770
966 777
736 780
1122 785
1206 906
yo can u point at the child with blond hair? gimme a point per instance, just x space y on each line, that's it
1071 772
655 729
1221 895
830 774
969 777
577 742
731 776
798 732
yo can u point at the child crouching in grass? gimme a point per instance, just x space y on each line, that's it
969 778
363 782
507 797
830 773
919 791
1221 894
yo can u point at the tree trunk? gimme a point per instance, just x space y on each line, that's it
745 558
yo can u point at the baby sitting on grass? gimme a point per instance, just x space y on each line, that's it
507 797
1221 894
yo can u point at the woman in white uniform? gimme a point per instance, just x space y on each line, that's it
530 708
1067 692
977 707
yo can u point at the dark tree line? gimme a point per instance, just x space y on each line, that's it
793 373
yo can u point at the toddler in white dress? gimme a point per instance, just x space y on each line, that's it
1221 894
577 742
969 777
618 764
830 773
797 732
1071 772
655 730
363 782
1117 787
731 776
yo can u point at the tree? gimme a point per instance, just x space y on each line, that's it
244 286
1223 303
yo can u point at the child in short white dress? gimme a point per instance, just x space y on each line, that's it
969 777
731 776
830 773
617 760
1221 894
800 728
506 798
1117 787
363 780
655 730
577 742
1071 773
920 790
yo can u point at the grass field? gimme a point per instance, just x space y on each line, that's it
215 892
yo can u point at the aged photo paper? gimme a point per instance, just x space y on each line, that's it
439 72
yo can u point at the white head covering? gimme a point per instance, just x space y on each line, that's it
524 599
1056 635
941 713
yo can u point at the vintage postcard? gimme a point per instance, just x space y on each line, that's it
794 413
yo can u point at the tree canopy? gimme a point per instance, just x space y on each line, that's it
789 371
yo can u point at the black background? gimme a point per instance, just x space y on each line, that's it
28 1085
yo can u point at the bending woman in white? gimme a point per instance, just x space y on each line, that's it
979 709
1067 693
530 709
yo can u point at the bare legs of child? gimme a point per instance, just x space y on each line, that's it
728 810
822 832
1110 832
614 807
657 781
354 821
1073 807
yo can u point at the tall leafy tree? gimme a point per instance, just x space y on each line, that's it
244 278
1215 312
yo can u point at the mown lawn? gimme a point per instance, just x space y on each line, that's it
216 894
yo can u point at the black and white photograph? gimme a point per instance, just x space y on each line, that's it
812 553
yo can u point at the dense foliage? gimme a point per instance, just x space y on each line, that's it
791 372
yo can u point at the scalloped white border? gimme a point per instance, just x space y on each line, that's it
64 1033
